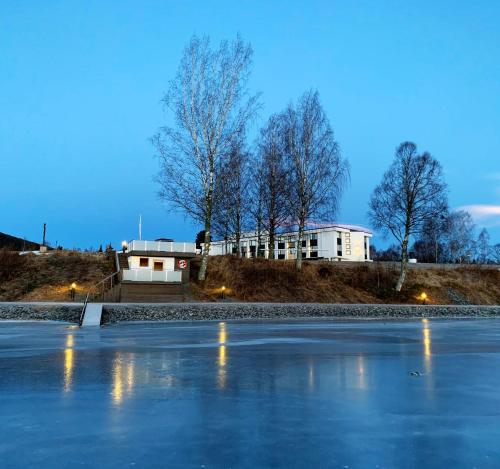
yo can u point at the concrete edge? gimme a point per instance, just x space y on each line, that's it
116 312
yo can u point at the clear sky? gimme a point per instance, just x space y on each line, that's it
81 83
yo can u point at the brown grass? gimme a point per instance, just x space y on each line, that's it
325 282
48 277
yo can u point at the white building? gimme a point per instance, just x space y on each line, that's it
332 242
156 261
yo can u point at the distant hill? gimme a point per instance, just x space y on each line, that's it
17 244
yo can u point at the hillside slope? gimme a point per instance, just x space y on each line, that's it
325 282
48 277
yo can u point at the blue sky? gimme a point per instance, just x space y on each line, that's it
81 83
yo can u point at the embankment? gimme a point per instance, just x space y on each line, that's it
113 313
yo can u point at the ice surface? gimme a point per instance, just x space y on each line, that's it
251 394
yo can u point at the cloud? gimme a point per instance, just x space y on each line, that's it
493 176
485 215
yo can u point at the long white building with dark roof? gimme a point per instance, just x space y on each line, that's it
335 242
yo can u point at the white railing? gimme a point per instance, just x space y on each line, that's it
147 275
164 246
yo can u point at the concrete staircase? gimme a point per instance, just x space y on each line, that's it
138 292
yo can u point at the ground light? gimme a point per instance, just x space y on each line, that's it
222 290
423 297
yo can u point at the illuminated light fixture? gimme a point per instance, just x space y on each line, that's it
73 286
222 290
124 246
423 297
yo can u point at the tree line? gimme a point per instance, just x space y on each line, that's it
449 239
293 172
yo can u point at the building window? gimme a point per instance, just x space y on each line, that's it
313 254
304 243
144 262
339 253
339 241
313 242
281 245
158 266
281 256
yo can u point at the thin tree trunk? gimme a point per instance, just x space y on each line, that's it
271 244
208 226
298 262
238 244
404 263
204 257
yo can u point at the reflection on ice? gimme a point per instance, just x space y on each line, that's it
123 378
221 362
427 345
68 362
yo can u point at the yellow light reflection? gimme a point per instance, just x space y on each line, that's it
117 391
222 333
427 345
222 358
70 340
130 377
68 362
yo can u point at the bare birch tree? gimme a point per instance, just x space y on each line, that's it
272 178
256 203
412 193
317 171
231 203
211 106
460 233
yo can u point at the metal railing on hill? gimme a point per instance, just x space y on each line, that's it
99 289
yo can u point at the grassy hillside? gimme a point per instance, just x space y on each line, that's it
275 281
48 277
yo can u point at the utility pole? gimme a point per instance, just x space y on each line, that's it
44 232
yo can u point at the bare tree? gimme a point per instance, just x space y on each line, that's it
483 246
460 231
412 192
495 253
272 178
317 172
430 245
231 214
256 202
211 107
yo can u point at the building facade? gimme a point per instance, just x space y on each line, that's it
334 243
156 261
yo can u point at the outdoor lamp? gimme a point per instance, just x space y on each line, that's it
124 246
72 289
223 289
423 297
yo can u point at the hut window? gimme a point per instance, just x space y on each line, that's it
158 266
144 262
